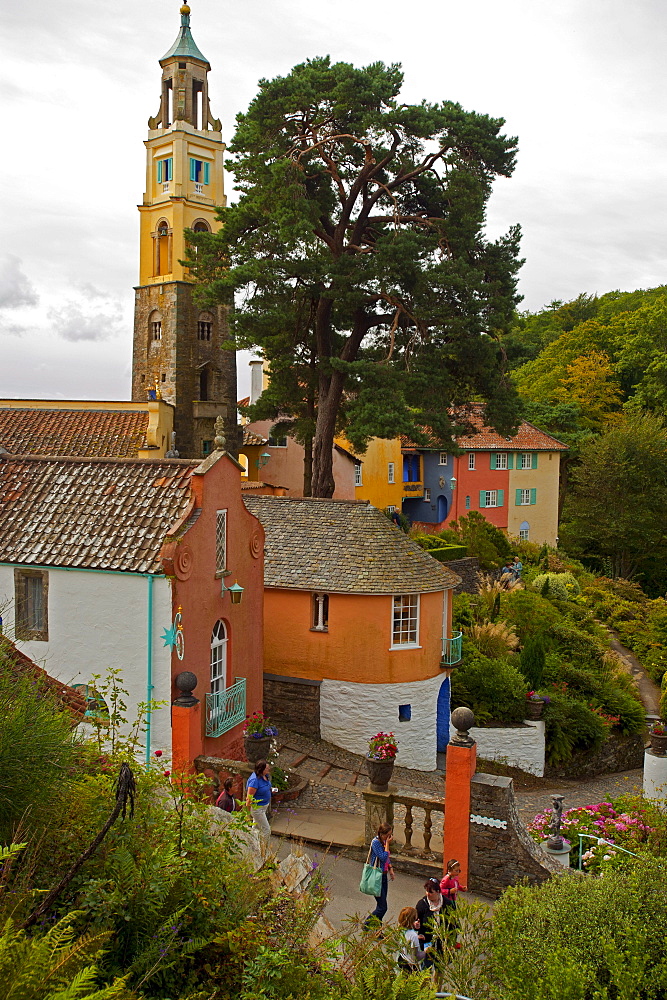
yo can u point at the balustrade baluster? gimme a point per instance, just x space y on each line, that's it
427 828
408 827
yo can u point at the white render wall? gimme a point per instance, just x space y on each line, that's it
351 713
97 621
655 777
518 746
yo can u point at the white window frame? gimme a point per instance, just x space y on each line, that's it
391 472
501 461
526 460
357 474
471 460
220 542
218 660
413 608
525 498
491 498
524 534
391 508
277 442
427 495
443 458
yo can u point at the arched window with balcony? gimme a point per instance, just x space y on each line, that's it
154 328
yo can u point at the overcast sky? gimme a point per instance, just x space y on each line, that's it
582 83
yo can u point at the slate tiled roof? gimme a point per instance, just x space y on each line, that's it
92 513
341 546
18 664
84 433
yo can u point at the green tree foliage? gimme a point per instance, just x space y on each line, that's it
533 658
38 749
493 689
357 257
615 508
483 540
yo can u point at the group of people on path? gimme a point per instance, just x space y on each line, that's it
418 922
257 799
511 572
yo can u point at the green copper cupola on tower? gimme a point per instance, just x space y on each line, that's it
176 344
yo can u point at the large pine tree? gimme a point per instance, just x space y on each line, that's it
357 260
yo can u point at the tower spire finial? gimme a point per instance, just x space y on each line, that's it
185 15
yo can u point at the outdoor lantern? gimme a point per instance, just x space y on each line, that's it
452 483
236 593
263 459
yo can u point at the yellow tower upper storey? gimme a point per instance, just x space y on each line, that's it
184 163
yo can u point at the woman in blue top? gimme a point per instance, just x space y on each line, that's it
258 797
381 858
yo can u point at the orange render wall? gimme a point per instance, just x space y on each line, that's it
356 647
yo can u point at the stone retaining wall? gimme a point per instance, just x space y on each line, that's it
293 702
618 753
502 852
468 570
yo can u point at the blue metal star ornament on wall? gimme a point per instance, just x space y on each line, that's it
169 636
173 636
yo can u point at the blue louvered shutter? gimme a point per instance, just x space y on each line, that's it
517 499
482 498
510 461
534 460
170 168
494 460
159 171
206 167
193 169
501 497
533 496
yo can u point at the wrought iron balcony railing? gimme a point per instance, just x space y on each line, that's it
225 709
451 649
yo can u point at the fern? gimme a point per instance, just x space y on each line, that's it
371 984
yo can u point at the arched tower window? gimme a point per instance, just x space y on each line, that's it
162 248
201 226
205 326
154 327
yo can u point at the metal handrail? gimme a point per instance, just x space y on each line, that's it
225 709
600 840
451 648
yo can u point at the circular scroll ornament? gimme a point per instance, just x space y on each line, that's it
255 545
184 562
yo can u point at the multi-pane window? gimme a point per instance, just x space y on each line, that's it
471 459
467 503
405 620
218 664
357 474
427 495
277 442
31 604
523 497
221 541
524 533
320 613
501 460
526 460
390 472
443 458
491 498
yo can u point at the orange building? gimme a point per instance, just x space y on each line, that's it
357 627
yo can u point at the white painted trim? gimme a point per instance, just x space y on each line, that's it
405 645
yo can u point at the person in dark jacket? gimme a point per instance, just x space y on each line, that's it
429 909
226 800
381 858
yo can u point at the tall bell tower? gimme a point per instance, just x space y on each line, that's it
177 346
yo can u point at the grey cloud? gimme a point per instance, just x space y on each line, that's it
99 319
15 288
14 329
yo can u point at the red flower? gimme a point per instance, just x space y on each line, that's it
166 773
158 753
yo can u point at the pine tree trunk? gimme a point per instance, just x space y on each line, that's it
308 467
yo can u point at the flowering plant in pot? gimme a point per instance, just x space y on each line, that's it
657 735
535 704
382 750
258 733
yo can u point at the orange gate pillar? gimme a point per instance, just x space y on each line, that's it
186 725
461 764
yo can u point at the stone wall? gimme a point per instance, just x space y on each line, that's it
468 570
517 746
502 852
293 702
619 753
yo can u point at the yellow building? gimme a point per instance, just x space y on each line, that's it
379 474
175 342
532 510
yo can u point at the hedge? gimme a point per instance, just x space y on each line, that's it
447 552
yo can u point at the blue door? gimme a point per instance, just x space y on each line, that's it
442 724
442 508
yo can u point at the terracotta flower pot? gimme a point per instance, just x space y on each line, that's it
380 772
534 708
257 747
658 742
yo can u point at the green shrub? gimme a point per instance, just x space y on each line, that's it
493 689
562 586
533 657
577 643
483 540
577 937
530 613
447 552
572 726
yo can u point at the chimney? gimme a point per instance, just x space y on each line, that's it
256 380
